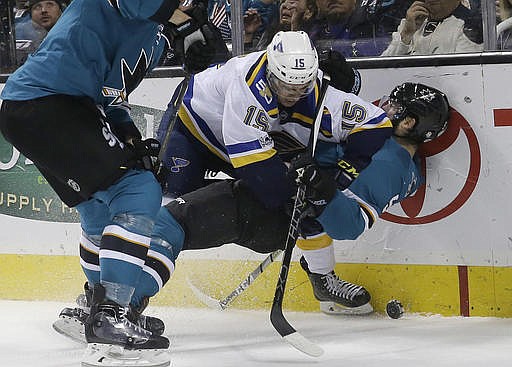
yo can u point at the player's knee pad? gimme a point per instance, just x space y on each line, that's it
168 229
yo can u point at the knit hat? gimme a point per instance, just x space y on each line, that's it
61 3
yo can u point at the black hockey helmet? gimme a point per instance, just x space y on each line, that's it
427 105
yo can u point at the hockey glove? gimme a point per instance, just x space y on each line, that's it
146 152
346 174
343 77
193 39
320 189
286 145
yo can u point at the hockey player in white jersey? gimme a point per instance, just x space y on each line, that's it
227 212
234 118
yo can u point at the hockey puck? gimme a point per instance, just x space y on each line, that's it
394 309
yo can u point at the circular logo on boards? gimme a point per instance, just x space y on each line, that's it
412 207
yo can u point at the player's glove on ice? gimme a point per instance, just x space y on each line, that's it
194 39
343 76
146 152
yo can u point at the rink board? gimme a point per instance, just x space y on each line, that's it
430 289
447 250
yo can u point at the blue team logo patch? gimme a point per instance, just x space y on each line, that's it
279 47
178 163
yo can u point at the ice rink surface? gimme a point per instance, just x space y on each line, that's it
203 338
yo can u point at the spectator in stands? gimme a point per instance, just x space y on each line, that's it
261 11
504 21
43 14
170 57
292 16
351 27
437 27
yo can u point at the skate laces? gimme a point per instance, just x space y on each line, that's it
135 326
339 287
119 314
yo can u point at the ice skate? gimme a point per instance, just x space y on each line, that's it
114 340
71 320
338 296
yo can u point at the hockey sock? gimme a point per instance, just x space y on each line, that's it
89 259
166 244
320 261
124 248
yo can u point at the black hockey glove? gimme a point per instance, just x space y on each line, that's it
146 152
286 145
343 76
194 40
320 190
346 174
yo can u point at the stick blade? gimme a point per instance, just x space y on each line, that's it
205 298
301 343
291 336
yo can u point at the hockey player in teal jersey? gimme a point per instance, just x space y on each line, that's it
419 114
66 109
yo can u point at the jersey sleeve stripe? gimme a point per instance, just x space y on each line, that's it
367 209
243 147
200 135
321 240
383 124
252 158
255 69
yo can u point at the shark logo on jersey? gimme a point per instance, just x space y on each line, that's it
130 78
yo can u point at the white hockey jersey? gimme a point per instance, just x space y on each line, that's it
231 110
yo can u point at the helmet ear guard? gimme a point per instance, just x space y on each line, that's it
292 59
427 105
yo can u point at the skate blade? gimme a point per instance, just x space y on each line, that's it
108 355
71 328
332 308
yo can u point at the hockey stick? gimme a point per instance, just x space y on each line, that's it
160 164
277 318
222 304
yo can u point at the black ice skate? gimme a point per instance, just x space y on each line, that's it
338 296
71 320
108 323
113 340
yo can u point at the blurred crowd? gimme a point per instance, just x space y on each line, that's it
355 28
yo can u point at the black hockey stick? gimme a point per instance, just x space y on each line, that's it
164 144
222 304
277 318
